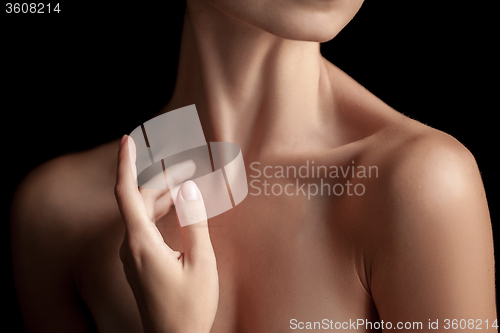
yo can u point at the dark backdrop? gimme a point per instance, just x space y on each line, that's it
88 75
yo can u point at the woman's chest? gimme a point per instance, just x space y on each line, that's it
279 264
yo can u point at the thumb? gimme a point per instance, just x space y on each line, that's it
193 220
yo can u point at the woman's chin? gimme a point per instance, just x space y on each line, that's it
307 23
314 27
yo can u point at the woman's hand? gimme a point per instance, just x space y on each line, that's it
174 292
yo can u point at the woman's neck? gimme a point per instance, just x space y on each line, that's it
246 82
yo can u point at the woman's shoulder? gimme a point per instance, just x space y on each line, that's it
421 169
427 180
68 191
427 193
422 159
401 144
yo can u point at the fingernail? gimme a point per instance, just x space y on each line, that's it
190 191
124 138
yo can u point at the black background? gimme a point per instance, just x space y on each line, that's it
89 74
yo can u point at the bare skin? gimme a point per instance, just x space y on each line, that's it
417 245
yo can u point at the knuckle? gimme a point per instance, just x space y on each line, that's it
135 246
191 214
124 254
119 190
132 250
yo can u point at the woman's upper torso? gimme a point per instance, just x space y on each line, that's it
300 249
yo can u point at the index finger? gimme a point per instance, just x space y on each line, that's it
127 195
